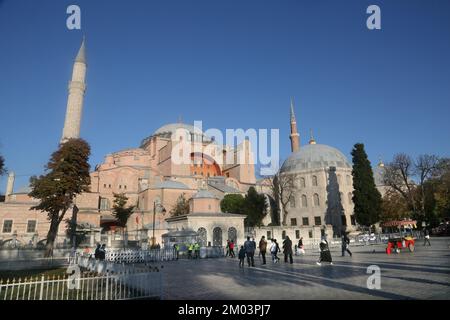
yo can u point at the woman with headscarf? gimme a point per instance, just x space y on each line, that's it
325 255
287 250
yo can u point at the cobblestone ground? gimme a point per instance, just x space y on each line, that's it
423 274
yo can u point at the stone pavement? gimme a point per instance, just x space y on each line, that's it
423 274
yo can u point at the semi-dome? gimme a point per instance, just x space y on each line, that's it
315 156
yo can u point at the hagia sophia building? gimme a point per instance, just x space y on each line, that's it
153 182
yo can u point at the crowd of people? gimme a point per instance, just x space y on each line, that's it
193 250
249 248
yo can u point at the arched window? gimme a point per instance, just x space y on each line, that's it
339 179
304 201
316 200
302 183
349 180
232 234
314 181
283 235
292 201
341 195
350 197
217 237
202 236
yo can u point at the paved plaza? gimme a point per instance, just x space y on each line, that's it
423 274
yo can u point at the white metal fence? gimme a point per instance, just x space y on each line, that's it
140 256
89 286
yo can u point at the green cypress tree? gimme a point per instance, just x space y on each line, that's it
254 208
366 197
232 203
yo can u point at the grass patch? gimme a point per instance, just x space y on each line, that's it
16 274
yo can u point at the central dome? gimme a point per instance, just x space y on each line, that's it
171 128
315 156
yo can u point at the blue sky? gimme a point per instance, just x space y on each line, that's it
232 64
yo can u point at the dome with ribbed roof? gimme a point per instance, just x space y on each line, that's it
315 156
170 130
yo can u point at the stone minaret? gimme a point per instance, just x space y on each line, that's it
295 137
77 87
10 184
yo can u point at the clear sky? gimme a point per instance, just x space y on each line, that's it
230 63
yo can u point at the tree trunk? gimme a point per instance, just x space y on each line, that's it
51 237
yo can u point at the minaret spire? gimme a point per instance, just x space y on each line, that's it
295 137
81 56
311 139
77 88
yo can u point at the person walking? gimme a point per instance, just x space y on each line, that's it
176 247
274 249
250 252
197 250
231 245
325 255
190 249
287 250
263 248
426 237
301 248
102 252
345 245
241 256
97 252
228 249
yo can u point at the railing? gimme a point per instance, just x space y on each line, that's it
140 256
88 286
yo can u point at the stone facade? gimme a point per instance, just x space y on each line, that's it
213 227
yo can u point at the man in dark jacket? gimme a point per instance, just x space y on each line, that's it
97 252
287 250
250 247
345 245
263 248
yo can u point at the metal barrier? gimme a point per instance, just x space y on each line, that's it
89 286
140 256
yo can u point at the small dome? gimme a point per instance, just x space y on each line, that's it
169 184
315 156
204 194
